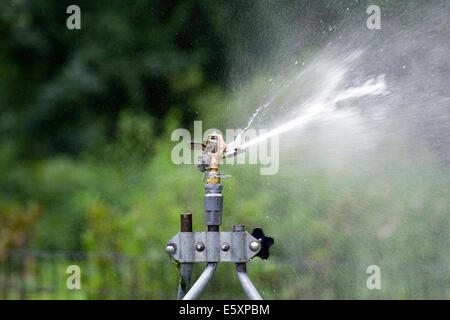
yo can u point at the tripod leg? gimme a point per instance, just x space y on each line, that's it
186 268
247 285
201 282
183 286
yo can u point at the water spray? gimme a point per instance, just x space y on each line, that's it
323 107
214 246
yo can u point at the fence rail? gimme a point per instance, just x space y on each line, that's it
28 274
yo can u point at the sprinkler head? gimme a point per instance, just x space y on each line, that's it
213 151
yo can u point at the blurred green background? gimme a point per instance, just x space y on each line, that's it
86 176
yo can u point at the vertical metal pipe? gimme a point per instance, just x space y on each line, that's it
186 222
186 268
185 280
213 228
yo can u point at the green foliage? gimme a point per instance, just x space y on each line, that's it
15 227
62 91
85 122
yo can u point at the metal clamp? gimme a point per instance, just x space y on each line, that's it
203 246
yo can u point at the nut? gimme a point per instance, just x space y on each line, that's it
199 246
225 246
171 248
254 245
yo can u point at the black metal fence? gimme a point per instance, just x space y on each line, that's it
28 274
43 275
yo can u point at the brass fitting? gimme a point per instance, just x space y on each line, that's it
213 176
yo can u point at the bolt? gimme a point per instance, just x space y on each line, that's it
254 245
171 248
225 246
199 246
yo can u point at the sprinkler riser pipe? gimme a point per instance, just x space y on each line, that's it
213 204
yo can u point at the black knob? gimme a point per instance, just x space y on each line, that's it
266 242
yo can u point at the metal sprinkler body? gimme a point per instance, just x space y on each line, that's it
214 246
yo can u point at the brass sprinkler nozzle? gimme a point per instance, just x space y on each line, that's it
213 152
